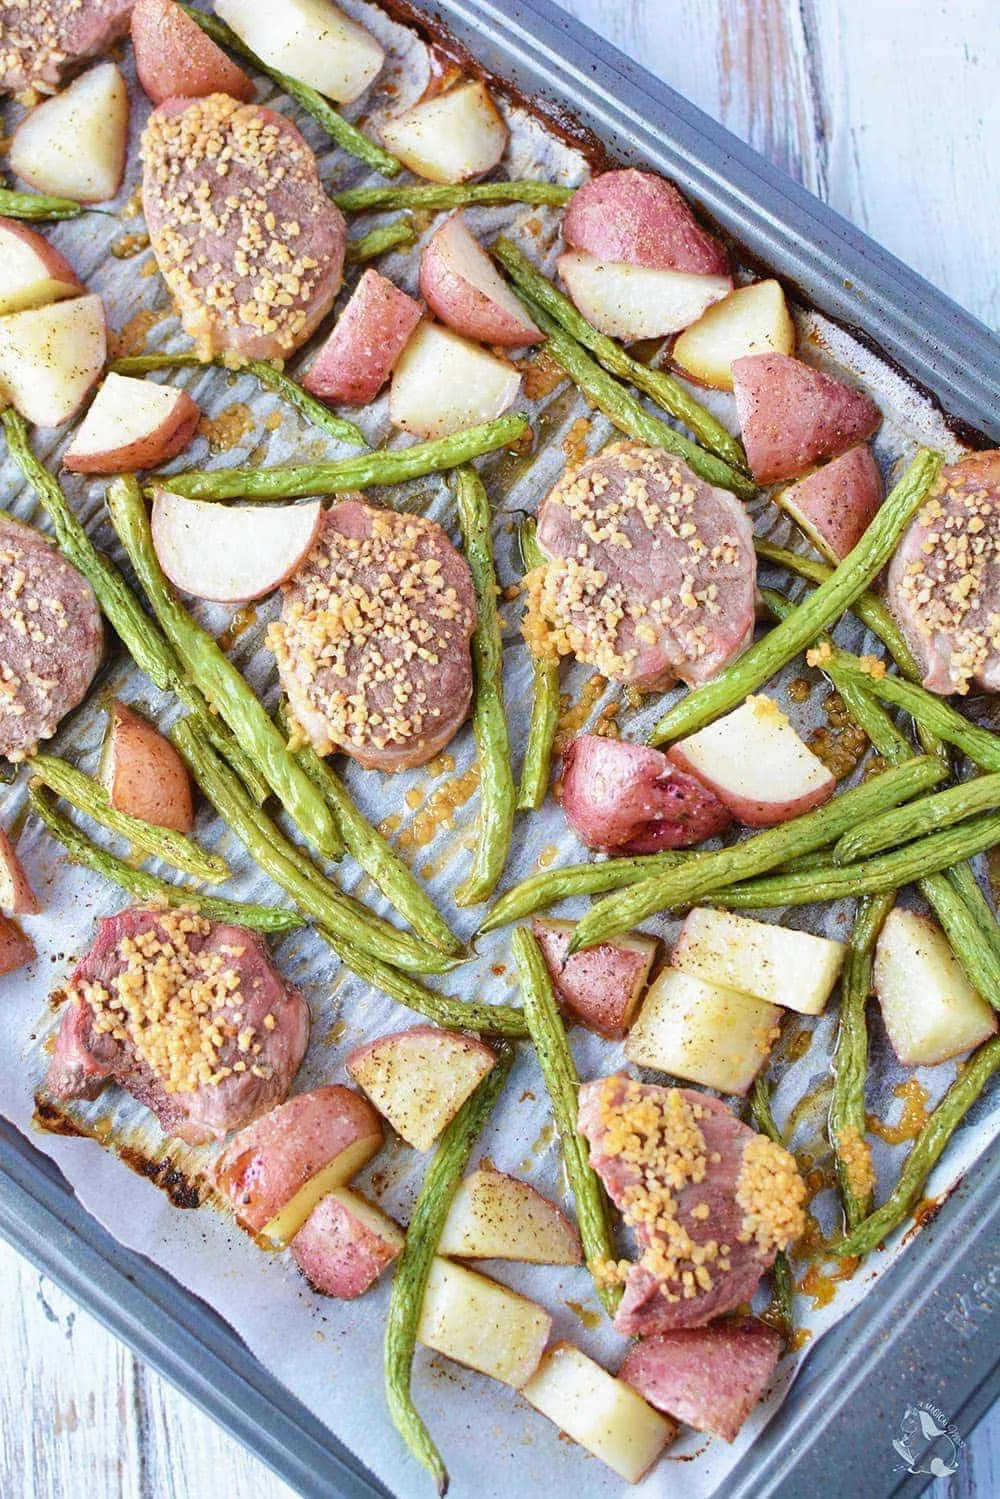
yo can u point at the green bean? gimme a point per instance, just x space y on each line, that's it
414 1264
537 767
489 720
397 235
708 872
626 410
903 824
925 1153
38 207
946 722
548 1035
268 375
904 866
850 1058
148 887
90 797
667 392
215 675
435 195
376 856
811 617
346 135
539 891
140 635
782 1282
386 467
442 1009
289 867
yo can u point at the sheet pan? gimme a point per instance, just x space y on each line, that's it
542 52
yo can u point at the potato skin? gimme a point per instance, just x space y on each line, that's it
16 894
144 775
361 352
638 218
16 948
175 59
450 260
792 416
629 798
338 1253
165 441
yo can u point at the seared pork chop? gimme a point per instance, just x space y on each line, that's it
711 1201
51 638
41 40
190 1016
373 641
944 581
245 237
651 574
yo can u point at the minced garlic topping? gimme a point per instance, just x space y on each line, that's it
177 1007
856 1156
772 1195
33 39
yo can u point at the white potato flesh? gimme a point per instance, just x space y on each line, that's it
482 1324
931 1011
51 357
310 40
444 384
73 145
16 895
451 137
285 1224
420 1078
605 1415
751 320
756 763
230 553
32 272
496 1216
774 963
703 1032
629 301
135 420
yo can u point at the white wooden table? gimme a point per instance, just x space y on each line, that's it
891 112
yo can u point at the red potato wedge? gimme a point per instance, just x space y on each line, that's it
496 1216
52 357
628 798
711 1377
345 1244
132 424
73 145
930 1010
703 1032
231 553
630 301
638 218
176 60
601 986
462 286
443 384
835 505
751 320
450 137
16 895
366 343
418 1079
274 1172
143 774
792 416
310 40
32 272
756 764
16 949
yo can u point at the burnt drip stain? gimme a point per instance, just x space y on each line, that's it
52 1121
181 1191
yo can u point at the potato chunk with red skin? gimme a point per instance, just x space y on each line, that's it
16 948
639 218
602 985
711 1377
792 416
419 1078
16 894
629 798
837 503
143 774
176 60
344 1245
361 352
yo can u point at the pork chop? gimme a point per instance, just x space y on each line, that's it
711 1201
709 1377
51 638
373 641
249 244
190 1016
41 40
944 580
651 573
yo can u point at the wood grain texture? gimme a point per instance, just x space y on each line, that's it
889 111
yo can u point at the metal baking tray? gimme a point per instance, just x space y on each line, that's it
929 1331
